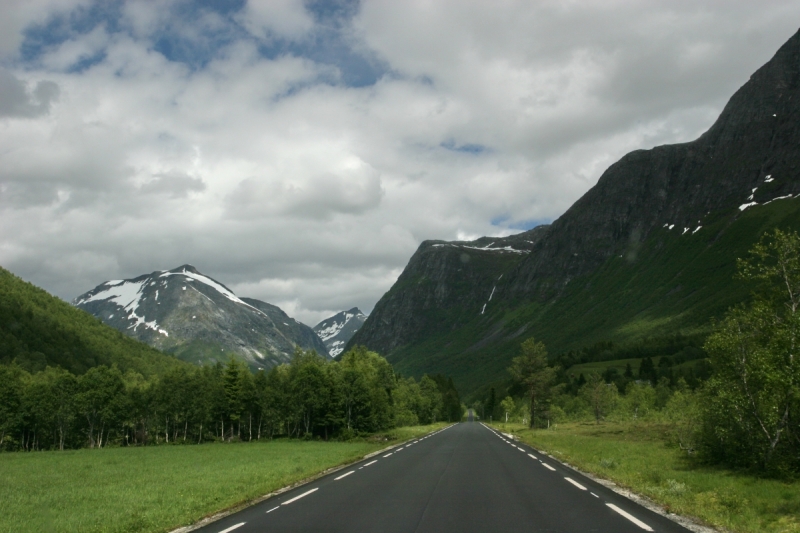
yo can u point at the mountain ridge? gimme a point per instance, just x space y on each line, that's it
449 305
198 319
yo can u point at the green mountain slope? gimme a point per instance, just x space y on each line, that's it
677 284
37 329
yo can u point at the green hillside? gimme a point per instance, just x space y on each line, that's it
674 284
37 330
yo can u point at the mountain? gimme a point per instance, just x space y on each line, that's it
338 329
198 319
39 330
649 250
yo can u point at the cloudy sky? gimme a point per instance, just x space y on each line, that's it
299 152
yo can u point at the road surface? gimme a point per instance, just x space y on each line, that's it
465 478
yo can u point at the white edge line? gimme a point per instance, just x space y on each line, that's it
232 527
575 483
298 497
273 509
547 466
630 517
344 475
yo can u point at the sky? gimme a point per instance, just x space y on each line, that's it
299 152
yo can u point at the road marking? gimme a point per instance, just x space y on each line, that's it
630 517
520 448
371 462
531 456
593 494
575 483
547 466
232 527
298 497
387 455
344 475
273 509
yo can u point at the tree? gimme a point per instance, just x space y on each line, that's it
10 400
752 415
507 405
640 398
683 411
600 395
531 370
97 400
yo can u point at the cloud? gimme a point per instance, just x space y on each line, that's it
300 154
17 100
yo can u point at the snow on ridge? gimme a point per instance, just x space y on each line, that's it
127 295
214 285
484 248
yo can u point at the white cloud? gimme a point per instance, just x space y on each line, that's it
271 175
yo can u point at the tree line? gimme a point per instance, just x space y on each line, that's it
312 397
741 408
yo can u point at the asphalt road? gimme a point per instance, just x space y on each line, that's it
464 478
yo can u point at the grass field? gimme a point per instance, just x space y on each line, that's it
639 456
620 364
159 488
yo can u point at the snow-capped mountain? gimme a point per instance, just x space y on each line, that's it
337 330
198 319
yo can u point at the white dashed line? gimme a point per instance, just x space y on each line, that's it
630 517
532 456
593 494
547 466
232 527
344 475
301 496
575 483
387 455
371 462
520 448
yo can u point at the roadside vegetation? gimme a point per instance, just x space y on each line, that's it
159 488
717 439
644 456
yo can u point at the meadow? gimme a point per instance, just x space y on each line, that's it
641 457
160 488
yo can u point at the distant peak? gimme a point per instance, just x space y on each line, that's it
185 268
354 311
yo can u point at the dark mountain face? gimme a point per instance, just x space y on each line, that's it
337 330
749 155
444 285
592 273
197 318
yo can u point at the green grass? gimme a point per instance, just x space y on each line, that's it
639 456
160 488
620 364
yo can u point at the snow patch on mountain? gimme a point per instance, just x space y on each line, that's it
338 329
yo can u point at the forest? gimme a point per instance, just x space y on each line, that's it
310 398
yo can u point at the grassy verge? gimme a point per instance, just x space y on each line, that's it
159 488
639 457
